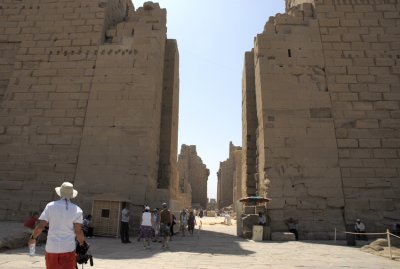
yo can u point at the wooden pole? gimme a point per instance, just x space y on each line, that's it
390 247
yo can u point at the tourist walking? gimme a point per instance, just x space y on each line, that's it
172 225
191 222
125 225
147 227
140 235
183 218
65 225
201 214
165 223
156 225
88 226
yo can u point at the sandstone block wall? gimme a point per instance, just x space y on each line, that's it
238 182
212 205
7 56
327 113
83 102
193 175
361 51
230 184
249 120
167 177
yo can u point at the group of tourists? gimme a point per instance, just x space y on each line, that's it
67 228
187 220
154 224
158 225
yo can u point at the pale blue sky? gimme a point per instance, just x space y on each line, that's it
213 36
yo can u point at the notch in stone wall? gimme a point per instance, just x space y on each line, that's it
320 112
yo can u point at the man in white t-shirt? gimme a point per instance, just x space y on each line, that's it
359 227
125 224
64 220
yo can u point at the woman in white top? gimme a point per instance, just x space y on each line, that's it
183 217
146 227
156 225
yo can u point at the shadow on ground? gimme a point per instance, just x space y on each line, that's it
203 242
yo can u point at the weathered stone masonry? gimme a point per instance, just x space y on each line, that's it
193 176
230 186
85 84
328 129
249 121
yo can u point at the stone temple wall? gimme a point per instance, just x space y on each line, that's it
7 55
85 82
230 186
361 44
193 176
169 121
249 120
238 183
327 98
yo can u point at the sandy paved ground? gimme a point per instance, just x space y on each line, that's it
213 247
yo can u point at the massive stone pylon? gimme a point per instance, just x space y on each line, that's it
89 93
193 176
321 115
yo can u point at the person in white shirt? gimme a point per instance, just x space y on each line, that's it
183 217
156 226
147 227
65 224
125 225
261 219
359 227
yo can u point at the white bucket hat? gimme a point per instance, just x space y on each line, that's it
66 190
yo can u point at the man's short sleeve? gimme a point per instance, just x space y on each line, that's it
79 216
45 214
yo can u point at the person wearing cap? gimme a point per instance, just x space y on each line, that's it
147 227
65 224
165 220
359 227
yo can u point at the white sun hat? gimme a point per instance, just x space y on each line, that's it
66 190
